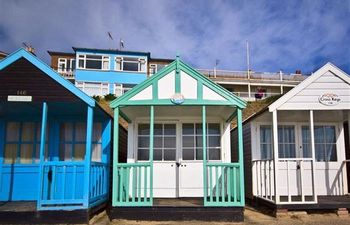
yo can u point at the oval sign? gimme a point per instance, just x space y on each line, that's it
177 99
329 99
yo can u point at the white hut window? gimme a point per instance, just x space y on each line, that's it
192 141
265 142
286 141
325 143
164 148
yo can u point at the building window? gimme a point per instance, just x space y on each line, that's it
286 141
325 143
65 65
152 69
192 141
93 89
120 89
265 142
97 62
22 142
164 142
73 141
131 64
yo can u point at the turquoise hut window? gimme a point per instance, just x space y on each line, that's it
73 141
22 142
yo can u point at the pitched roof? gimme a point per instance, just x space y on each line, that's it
22 53
150 87
327 67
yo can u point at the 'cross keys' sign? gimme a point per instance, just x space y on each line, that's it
329 99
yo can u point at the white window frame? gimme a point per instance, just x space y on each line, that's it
84 57
81 85
61 61
155 67
120 59
121 88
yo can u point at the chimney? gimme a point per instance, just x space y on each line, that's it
298 72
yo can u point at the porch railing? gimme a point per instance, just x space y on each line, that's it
98 189
263 175
133 184
62 186
223 185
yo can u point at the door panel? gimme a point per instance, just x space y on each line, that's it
165 180
191 179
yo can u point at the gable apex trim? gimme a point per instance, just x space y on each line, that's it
328 67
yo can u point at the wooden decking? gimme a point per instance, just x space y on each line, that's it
178 209
25 212
324 203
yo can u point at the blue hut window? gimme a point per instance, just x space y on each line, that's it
73 141
22 142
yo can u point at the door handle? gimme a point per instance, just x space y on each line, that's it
178 164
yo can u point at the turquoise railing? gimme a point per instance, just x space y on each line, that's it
98 189
223 185
63 184
133 185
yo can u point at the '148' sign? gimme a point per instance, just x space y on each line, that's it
329 99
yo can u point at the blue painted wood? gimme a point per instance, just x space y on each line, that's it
89 129
2 147
48 70
42 151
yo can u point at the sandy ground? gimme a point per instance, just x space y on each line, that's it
251 217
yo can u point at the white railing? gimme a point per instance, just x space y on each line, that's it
67 73
263 177
228 74
255 96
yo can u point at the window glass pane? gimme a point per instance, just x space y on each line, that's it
142 154
199 129
319 152
214 141
97 132
143 129
93 64
319 134
10 153
330 134
97 152
286 140
187 154
81 63
214 154
169 154
28 131
26 153
214 128
331 152
130 66
66 132
158 142
169 129
143 142
199 141
12 131
96 57
187 129
188 141
199 154
158 129
79 151
169 142
80 132
157 154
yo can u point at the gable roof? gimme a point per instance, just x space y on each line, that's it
327 67
178 68
22 53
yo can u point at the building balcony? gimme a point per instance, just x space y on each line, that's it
252 77
254 96
67 73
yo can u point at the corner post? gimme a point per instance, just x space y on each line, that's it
312 139
89 128
42 152
151 130
115 184
275 153
240 154
204 130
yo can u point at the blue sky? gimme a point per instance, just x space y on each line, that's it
286 35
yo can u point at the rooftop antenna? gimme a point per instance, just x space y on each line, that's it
248 59
121 44
216 64
110 36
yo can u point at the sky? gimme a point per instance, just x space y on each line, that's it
282 35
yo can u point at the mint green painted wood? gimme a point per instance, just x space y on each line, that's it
240 152
115 185
151 152
204 130
177 76
127 194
